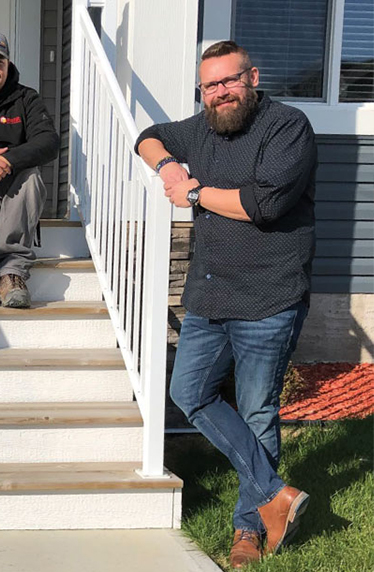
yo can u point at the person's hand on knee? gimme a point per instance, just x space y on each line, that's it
5 166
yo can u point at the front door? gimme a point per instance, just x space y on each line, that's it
20 22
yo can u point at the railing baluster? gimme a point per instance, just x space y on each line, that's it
130 265
117 232
100 178
95 156
112 198
124 237
139 269
106 182
90 138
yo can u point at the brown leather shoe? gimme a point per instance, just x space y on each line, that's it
246 548
281 516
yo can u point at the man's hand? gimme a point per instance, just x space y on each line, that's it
177 192
5 166
173 173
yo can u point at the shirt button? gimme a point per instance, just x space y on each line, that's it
208 276
207 215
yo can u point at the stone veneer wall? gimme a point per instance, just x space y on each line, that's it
182 239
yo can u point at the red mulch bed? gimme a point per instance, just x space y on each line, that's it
333 391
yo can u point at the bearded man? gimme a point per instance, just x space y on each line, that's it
251 180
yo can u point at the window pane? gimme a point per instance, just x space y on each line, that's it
286 41
357 66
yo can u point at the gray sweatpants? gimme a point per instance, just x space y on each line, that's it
21 208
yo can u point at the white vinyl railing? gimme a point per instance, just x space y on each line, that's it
127 224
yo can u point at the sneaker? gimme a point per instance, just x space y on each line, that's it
13 292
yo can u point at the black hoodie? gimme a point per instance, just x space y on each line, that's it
26 127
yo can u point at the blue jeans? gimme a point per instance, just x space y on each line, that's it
250 437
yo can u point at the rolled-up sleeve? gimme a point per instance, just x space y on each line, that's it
286 163
175 136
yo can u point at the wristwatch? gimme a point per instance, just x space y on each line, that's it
193 195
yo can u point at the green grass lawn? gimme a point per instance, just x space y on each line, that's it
334 464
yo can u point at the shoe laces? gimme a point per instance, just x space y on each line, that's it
17 281
250 536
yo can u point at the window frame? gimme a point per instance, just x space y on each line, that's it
327 117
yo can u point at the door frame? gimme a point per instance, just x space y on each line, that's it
24 39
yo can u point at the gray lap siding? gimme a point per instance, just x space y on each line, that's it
344 261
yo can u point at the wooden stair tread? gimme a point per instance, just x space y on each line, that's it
59 222
77 414
57 358
16 477
64 263
64 308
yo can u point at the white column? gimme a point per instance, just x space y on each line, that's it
109 30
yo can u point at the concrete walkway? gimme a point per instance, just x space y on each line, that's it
101 551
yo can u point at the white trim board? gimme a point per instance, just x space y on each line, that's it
22 26
341 119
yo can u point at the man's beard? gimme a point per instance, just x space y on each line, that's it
231 120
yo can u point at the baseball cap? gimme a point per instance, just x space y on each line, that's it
4 47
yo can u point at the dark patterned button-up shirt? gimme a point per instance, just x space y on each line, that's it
250 269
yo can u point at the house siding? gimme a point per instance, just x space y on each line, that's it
49 91
344 259
55 74
63 179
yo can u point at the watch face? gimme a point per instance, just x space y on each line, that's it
192 196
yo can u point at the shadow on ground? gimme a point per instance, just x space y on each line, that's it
321 460
330 466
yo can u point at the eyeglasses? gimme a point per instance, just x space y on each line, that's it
229 81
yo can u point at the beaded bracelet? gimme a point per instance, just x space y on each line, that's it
165 161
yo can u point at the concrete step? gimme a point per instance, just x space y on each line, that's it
62 239
63 375
86 496
57 324
54 279
70 432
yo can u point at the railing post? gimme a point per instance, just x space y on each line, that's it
154 329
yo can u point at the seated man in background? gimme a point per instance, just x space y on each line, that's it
28 139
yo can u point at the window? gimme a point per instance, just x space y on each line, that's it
287 41
317 55
357 62
290 42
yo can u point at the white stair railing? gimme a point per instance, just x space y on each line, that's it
127 222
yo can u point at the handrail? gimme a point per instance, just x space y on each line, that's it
127 223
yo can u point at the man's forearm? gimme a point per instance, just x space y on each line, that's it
35 152
225 202
152 151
